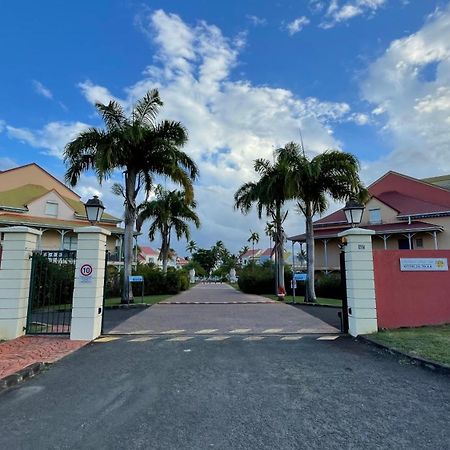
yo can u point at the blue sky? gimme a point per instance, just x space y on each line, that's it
366 76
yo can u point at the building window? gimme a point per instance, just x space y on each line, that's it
403 244
374 215
70 242
419 243
51 209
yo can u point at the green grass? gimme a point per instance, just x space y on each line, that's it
299 300
432 342
148 299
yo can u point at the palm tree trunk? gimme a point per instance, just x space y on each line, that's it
130 220
165 247
281 268
310 288
276 270
280 249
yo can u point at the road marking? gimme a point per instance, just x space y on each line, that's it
273 330
327 338
142 339
141 332
254 338
217 338
241 330
180 339
107 339
207 331
291 338
172 331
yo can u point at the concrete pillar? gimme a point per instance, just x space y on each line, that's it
362 317
15 272
89 283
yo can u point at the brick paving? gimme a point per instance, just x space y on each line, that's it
19 353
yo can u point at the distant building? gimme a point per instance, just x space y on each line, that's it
148 255
31 196
404 213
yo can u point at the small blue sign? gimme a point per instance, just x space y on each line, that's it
300 276
135 278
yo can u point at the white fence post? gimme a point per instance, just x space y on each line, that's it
87 309
362 310
15 272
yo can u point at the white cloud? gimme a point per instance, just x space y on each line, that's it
342 11
297 25
40 89
409 86
52 137
95 94
6 163
256 21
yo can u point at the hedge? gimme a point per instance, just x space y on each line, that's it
260 280
155 281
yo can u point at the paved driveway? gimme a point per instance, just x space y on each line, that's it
144 392
215 309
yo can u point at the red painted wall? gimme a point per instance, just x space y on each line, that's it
410 299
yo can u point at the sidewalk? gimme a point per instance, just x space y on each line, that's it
19 353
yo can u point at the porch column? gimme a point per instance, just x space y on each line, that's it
362 311
18 246
89 283
435 240
325 254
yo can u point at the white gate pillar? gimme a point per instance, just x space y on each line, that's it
15 272
87 309
362 310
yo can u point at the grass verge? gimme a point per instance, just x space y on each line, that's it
148 299
431 342
299 300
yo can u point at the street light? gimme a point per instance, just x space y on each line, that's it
94 210
353 212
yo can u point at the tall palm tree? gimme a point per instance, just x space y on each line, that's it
169 211
333 174
138 146
191 247
269 194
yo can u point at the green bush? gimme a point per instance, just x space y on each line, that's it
155 282
260 280
329 285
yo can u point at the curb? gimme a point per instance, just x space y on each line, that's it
416 360
130 306
22 375
313 305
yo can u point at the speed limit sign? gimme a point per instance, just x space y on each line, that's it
86 270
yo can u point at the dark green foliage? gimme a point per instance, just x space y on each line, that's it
261 280
329 285
206 258
155 282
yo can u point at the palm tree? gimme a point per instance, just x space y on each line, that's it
141 148
170 210
191 247
269 194
254 238
333 174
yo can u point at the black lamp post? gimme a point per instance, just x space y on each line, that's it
353 212
94 210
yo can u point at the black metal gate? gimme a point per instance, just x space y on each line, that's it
51 292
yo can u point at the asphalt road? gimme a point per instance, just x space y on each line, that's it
144 393
219 308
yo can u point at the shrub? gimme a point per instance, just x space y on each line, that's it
261 280
329 285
